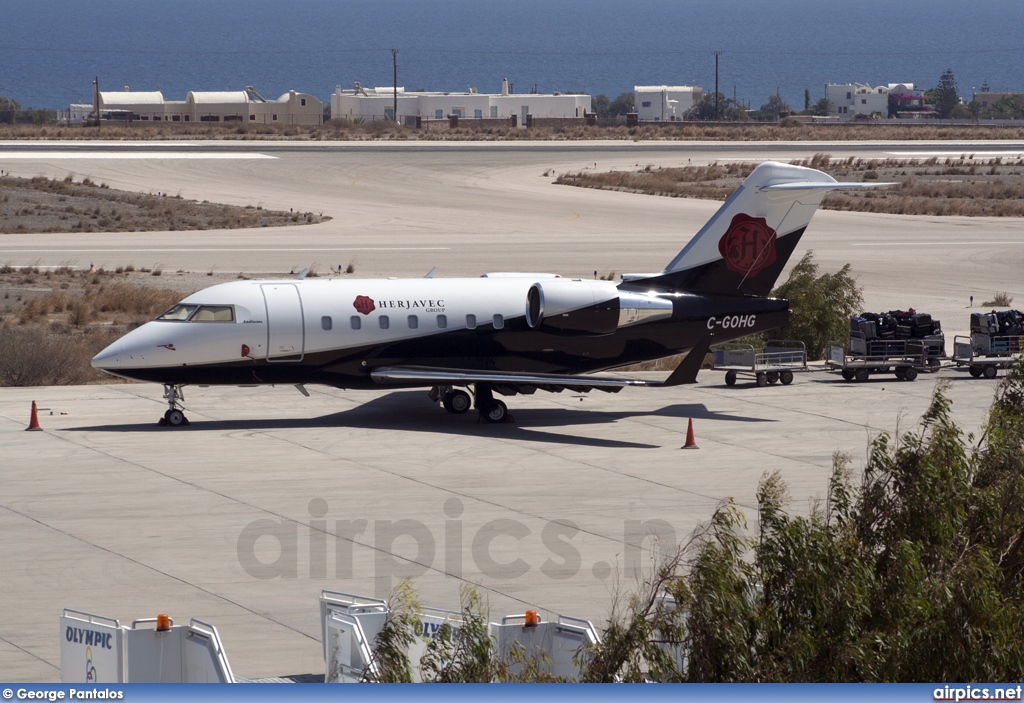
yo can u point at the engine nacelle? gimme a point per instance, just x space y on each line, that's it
590 307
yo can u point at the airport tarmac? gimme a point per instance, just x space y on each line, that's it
241 518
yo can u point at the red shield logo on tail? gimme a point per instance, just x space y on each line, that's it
748 246
364 304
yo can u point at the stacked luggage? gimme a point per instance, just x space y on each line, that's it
997 333
897 332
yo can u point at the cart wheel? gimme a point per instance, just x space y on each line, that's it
901 373
975 371
861 375
934 362
991 371
730 378
786 377
848 374
773 377
910 374
762 380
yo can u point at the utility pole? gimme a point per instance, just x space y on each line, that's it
716 84
394 60
96 99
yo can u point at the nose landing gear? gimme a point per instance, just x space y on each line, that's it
175 397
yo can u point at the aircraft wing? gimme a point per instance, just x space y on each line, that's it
520 382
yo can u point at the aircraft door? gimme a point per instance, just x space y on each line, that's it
285 328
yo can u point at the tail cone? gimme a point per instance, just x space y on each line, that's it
690 442
33 423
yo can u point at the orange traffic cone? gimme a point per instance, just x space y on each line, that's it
690 442
33 423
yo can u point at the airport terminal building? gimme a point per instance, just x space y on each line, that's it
245 106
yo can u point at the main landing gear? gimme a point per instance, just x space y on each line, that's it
458 402
174 417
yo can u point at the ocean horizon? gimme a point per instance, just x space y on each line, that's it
51 50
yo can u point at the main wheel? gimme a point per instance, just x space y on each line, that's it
991 371
457 402
773 377
786 377
496 412
175 418
849 374
861 375
762 379
975 371
730 378
910 374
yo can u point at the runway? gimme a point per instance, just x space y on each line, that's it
243 517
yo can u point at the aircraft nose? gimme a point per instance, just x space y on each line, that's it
109 358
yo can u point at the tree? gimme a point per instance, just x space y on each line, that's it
914 572
774 109
600 104
728 109
945 95
8 106
823 108
622 105
807 100
820 305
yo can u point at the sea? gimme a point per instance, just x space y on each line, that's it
51 51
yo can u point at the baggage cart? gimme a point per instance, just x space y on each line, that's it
905 358
984 354
774 363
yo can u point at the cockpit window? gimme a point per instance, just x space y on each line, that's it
199 313
214 313
178 312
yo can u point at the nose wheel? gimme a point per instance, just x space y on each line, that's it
175 397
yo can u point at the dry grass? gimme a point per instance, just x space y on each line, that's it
954 186
350 131
53 322
45 205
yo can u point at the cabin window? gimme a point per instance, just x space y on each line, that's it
470 322
499 322
179 313
214 313
414 322
326 322
442 322
384 322
356 322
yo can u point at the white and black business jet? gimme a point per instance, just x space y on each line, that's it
503 333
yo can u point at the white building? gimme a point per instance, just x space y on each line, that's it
852 99
247 105
379 104
664 103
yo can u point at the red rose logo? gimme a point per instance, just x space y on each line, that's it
748 246
364 304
